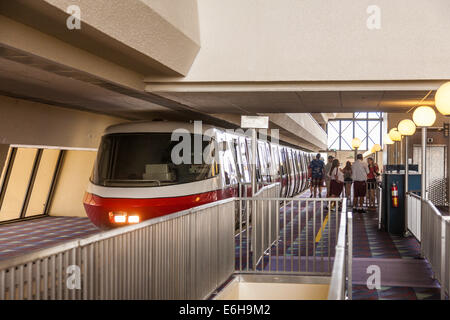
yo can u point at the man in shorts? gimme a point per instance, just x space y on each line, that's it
359 176
317 168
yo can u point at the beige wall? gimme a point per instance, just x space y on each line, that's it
72 183
317 40
30 123
274 291
434 132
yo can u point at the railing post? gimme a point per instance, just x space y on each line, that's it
350 254
443 256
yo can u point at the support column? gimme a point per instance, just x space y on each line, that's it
424 165
406 184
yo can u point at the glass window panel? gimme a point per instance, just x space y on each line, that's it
361 133
361 115
18 184
346 135
374 115
42 182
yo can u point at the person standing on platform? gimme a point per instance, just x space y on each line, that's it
374 172
348 179
317 174
336 179
360 171
327 174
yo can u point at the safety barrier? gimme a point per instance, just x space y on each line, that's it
185 255
435 244
189 254
413 214
342 267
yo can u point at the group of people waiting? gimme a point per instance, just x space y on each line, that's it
363 176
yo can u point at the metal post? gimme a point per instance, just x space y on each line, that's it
396 153
406 184
356 153
424 164
253 164
423 186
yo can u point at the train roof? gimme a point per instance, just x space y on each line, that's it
164 127
153 126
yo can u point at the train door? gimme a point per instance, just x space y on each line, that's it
263 163
291 172
229 173
270 171
285 171
296 176
276 166
299 170
250 157
300 164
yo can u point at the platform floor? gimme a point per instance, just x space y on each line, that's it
404 275
27 236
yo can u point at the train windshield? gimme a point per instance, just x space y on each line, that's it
145 159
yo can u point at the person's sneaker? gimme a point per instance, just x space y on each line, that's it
311 195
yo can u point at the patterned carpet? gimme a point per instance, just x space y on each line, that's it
391 252
23 237
369 242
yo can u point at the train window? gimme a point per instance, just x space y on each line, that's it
245 159
276 160
229 168
237 158
145 159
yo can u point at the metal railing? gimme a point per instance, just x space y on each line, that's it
380 206
185 255
342 267
435 244
413 214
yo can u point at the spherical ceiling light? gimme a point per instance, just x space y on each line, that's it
356 142
373 150
407 127
376 147
442 99
387 139
395 135
424 116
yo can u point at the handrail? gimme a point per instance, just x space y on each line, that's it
42 253
435 243
338 276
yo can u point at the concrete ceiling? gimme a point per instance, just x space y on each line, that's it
301 101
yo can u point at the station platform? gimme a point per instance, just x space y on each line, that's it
26 236
404 275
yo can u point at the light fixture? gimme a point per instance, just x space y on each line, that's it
407 127
356 142
442 99
424 116
133 219
395 135
387 139
376 147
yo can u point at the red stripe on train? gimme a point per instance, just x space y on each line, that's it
98 208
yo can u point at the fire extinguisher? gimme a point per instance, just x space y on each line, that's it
394 193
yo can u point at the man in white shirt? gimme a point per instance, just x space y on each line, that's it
359 176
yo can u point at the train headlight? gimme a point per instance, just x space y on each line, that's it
133 219
118 217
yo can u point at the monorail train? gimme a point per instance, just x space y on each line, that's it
135 178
